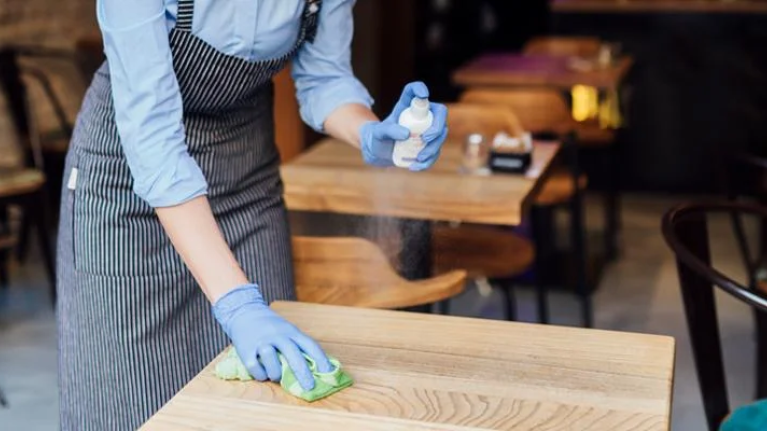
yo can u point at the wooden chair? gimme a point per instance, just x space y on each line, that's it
685 231
537 110
24 186
355 272
582 46
746 177
543 111
484 252
590 134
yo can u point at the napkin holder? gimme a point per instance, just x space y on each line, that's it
511 155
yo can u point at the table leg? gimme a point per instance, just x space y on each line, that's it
540 232
3 401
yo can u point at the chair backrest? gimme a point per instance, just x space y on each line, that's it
746 176
563 46
341 271
538 110
685 232
486 119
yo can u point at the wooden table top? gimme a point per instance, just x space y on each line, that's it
536 70
660 6
425 372
331 177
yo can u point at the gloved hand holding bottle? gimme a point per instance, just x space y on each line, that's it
378 138
258 334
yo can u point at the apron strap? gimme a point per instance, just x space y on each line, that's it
310 19
185 15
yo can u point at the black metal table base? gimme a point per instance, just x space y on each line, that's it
415 256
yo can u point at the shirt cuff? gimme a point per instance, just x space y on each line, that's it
320 102
172 183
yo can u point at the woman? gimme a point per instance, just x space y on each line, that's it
172 206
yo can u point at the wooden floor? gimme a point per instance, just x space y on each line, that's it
639 293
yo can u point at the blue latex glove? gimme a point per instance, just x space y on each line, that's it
258 333
377 138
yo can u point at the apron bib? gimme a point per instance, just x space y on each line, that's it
134 327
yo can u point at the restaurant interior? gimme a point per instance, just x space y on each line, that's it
588 253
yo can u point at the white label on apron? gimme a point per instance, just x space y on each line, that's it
72 179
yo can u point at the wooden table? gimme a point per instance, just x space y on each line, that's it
426 372
659 6
494 70
331 177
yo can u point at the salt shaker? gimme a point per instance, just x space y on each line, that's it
475 154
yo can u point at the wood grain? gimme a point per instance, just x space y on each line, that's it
331 177
355 272
493 70
659 6
416 371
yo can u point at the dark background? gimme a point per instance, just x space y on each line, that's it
697 90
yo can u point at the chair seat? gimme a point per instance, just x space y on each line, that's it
20 181
404 294
592 136
355 272
482 251
559 188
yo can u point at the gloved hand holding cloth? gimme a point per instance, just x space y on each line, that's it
263 339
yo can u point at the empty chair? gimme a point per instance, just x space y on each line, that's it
542 111
685 231
583 46
485 252
355 272
23 185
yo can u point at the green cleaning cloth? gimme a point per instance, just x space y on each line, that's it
325 384
752 417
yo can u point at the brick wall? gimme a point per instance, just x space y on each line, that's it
50 23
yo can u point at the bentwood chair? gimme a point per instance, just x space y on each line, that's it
355 272
685 231
24 186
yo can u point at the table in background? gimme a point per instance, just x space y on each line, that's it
661 6
331 177
505 70
425 372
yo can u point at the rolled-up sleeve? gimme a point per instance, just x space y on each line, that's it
147 100
322 70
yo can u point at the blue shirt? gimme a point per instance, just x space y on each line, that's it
147 101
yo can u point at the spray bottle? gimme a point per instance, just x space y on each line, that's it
417 118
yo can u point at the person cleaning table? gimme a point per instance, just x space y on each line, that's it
173 234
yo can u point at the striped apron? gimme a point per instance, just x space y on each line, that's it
134 327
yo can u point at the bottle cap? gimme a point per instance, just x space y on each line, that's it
419 107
